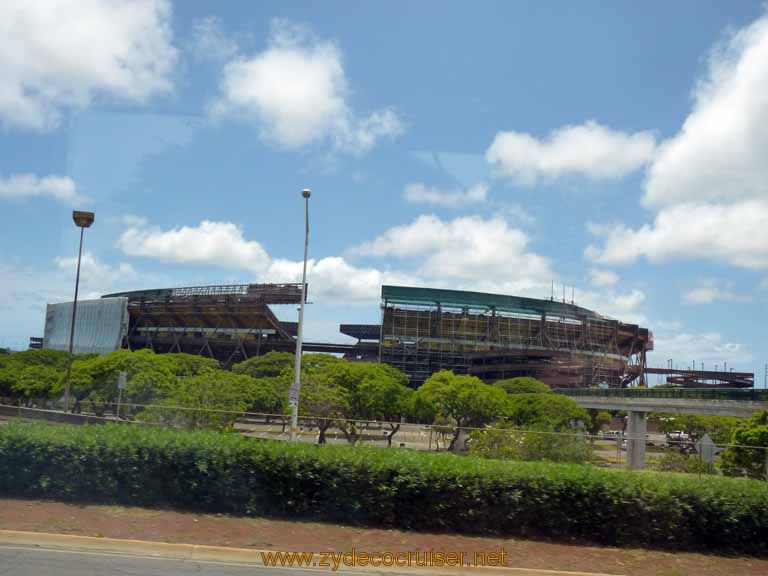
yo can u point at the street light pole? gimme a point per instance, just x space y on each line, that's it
82 220
296 386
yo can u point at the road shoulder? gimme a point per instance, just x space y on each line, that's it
196 533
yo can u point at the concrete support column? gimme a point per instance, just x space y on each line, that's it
636 429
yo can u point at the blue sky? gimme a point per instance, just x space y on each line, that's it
619 148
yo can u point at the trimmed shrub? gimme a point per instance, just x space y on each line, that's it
208 471
512 444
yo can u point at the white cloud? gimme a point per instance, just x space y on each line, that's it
210 42
298 93
515 212
57 55
333 278
26 289
709 183
602 278
60 188
24 293
624 306
712 290
210 243
222 244
470 249
96 274
720 151
469 253
735 233
419 193
709 347
590 150
707 295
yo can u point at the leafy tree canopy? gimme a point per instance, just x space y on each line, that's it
150 376
43 357
598 419
719 428
523 385
466 399
270 394
37 381
269 365
752 462
323 399
208 400
545 411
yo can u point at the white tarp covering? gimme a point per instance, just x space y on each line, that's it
100 325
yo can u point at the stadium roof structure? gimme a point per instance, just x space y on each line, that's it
268 293
499 302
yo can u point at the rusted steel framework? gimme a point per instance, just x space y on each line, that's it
229 323
705 378
494 337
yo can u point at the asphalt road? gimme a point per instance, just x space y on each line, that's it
17 560
23 561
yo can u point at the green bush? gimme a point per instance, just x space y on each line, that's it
139 465
514 444
689 464
748 453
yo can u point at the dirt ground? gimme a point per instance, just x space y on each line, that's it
220 530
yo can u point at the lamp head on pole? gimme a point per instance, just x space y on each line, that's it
83 219
306 192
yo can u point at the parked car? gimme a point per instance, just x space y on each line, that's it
678 436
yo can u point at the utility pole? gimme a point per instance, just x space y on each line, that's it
293 398
82 220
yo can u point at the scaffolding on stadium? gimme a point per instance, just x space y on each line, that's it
425 330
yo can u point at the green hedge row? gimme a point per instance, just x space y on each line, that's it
373 486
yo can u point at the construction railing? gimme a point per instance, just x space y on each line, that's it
745 394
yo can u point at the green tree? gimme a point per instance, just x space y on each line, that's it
270 395
598 419
211 400
19 370
346 377
9 373
314 362
185 365
151 377
749 454
364 387
523 385
37 381
719 428
551 412
506 442
536 430
269 365
467 400
383 398
684 463
323 401
56 359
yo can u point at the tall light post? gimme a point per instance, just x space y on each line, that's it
82 220
293 397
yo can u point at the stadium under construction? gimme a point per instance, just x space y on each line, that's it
422 331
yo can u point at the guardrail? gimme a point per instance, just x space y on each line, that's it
743 394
